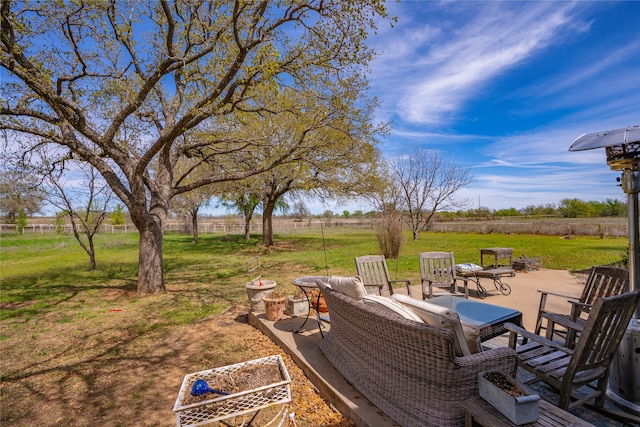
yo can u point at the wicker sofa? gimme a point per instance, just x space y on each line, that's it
406 368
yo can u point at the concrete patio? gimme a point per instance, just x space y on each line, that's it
304 350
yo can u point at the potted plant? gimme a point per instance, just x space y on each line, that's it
512 399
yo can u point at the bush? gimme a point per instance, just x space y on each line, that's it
390 235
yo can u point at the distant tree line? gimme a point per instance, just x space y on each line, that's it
566 208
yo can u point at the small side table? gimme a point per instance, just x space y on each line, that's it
306 285
480 412
497 253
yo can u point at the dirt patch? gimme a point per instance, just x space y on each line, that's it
111 375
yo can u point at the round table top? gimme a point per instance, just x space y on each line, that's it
309 281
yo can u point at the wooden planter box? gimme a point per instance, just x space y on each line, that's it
517 403
220 407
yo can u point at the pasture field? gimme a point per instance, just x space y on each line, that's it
79 347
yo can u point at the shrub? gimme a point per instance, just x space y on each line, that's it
390 235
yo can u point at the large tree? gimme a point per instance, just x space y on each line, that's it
336 160
123 84
336 149
427 181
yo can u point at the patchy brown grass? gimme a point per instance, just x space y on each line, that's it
99 360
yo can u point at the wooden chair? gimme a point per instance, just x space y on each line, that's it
602 282
568 370
438 271
373 271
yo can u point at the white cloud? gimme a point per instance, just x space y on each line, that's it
485 48
579 75
436 70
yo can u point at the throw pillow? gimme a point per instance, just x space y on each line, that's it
350 286
436 315
390 306
468 267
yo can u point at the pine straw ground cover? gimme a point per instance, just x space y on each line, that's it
100 364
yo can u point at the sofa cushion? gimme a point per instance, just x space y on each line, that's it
349 286
467 337
388 305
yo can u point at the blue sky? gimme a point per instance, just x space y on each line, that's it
505 87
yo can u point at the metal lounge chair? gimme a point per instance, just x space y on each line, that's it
373 271
602 282
438 275
569 370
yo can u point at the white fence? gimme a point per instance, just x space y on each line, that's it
205 226
586 227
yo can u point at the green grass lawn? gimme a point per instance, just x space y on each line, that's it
45 268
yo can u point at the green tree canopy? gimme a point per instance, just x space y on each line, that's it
126 85
20 193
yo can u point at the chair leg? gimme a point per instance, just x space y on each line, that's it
551 327
564 399
602 388
543 303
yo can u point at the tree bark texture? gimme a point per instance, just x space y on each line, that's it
267 224
150 272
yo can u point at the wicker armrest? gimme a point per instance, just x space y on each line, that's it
502 355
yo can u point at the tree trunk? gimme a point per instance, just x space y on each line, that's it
90 250
267 224
92 253
150 274
194 224
247 227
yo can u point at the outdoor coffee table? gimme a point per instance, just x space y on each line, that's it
495 274
489 318
306 285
